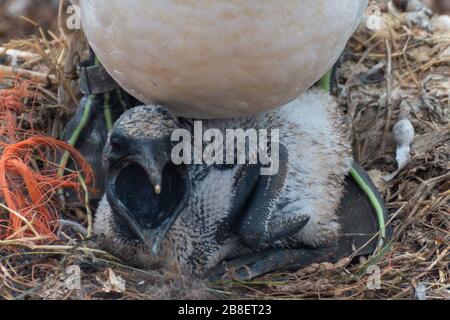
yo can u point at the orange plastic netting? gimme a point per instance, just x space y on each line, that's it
30 174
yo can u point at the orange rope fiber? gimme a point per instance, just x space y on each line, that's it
29 172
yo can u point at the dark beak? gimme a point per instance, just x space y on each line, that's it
147 193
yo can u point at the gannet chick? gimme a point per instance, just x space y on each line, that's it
210 218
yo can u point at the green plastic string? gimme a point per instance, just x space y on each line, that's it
375 203
76 134
325 82
107 110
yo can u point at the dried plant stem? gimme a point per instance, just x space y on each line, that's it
38 77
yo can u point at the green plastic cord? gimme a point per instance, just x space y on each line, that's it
325 82
84 120
76 134
107 110
375 203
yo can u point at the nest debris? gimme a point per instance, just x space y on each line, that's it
381 73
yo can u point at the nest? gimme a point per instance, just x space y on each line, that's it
401 67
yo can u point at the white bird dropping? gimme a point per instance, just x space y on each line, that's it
403 133
404 137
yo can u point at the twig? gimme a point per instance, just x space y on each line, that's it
42 78
27 223
17 53
388 99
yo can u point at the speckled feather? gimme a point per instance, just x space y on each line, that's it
313 132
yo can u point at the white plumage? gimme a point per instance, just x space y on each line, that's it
217 58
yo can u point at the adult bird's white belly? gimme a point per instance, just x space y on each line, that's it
217 58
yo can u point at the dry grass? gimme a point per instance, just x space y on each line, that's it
380 73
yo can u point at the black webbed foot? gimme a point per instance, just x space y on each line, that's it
259 229
253 266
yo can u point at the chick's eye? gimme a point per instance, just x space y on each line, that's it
117 145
